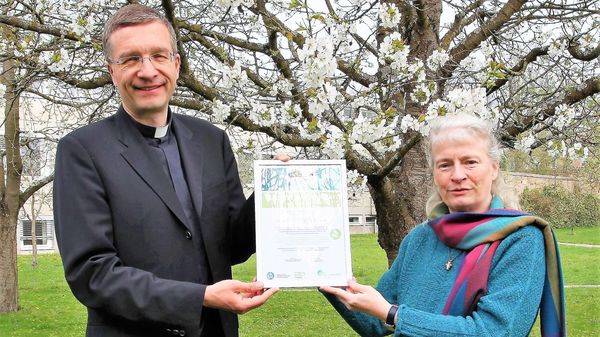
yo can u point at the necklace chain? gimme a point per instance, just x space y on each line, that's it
450 263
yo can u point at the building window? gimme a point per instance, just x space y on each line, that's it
354 220
370 220
43 232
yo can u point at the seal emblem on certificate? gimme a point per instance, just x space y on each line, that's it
302 233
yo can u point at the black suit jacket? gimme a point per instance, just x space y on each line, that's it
129 252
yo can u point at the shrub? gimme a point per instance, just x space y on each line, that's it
562 208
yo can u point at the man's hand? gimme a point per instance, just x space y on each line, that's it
281 157
358 297
236 296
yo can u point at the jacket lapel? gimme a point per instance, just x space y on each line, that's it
191 153
140 157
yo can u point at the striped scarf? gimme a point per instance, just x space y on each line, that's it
480 234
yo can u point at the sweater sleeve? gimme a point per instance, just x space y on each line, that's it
367 325
508 309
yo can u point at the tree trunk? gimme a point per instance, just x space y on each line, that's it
8 265
400 199
10 185
33 233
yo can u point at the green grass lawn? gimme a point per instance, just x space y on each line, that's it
48 309
590 235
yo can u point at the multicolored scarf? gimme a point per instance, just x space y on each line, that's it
480 234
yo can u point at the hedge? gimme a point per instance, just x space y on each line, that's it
563 209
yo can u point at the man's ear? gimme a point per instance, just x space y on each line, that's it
177 63
111 72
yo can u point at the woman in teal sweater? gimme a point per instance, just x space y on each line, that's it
477 267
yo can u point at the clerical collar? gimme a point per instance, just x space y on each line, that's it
151 131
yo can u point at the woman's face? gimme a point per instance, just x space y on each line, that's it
463 172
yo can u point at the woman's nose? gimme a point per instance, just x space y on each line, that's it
458 173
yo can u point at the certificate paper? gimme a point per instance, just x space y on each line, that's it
302 233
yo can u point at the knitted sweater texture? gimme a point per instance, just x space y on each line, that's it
419 284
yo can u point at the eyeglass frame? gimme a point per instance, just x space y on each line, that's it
139 59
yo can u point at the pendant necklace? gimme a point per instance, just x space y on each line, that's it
450 262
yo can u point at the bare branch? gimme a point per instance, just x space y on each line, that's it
473 40
34 187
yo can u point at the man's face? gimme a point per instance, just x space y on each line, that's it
147 86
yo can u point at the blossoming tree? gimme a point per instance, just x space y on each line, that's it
350 79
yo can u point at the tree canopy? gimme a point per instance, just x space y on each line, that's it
348 79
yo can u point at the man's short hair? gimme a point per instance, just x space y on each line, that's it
132 15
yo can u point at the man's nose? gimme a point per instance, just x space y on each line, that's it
147 68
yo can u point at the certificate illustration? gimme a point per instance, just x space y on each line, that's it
302 233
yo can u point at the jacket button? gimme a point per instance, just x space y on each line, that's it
181 333
188 235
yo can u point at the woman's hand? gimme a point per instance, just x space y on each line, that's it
358 297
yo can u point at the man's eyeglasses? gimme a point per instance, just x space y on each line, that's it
136 61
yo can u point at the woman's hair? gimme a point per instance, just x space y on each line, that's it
132 15
467 126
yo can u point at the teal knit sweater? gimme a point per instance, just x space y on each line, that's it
419 283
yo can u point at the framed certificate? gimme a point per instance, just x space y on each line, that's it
302 233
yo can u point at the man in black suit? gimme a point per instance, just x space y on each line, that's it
149 210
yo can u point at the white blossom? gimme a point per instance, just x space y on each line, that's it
234 3
233 75
408 122
311 129
437 59
56 61
220 111
389 15
356 181
558 48
422 92
564 115
394 50
290 114
524 144
262 114
334 144
318 59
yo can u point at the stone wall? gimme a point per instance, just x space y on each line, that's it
521 180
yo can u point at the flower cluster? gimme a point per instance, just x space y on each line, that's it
394 50
318 60
564 116
560 148
83 27
437 59
234 3
525 143
389 15
356 181
233 76
220 111
558 48
56 61
333 147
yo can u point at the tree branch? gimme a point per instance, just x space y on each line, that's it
519 67
569 97
40 28
35 186
459 23
583 55
395 160
473 40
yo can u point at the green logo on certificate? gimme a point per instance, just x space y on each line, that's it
335 234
